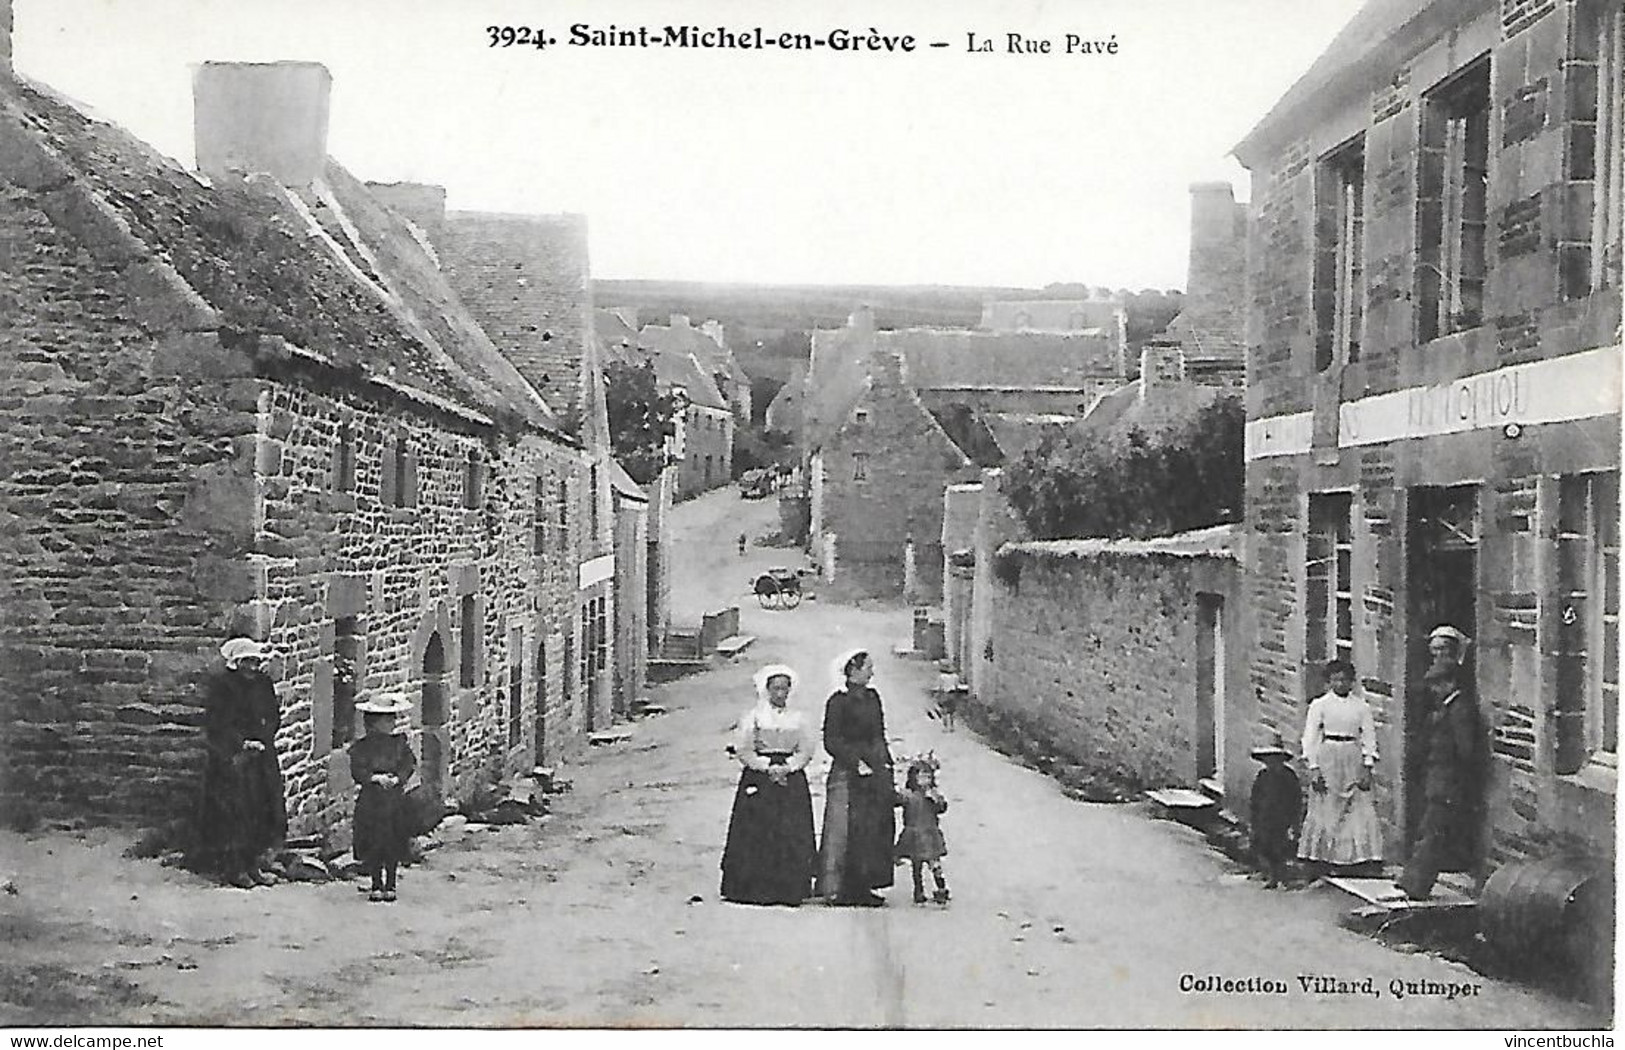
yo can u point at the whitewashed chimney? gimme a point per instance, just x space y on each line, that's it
262 117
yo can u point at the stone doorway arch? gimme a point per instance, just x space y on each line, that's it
436 742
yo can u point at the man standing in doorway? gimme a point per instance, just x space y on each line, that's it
1452 771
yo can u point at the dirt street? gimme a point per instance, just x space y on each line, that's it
606 913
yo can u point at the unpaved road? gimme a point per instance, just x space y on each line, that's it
1064 913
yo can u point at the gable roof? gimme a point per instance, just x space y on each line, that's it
617 340
623 485
326 270
677 369
966 429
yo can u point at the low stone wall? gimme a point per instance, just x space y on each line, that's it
1094 652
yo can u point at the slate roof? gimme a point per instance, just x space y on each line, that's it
1051 315
677 369
623 485
328 269
617 340
688 340
949 359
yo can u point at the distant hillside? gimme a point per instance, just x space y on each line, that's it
768 324
802 307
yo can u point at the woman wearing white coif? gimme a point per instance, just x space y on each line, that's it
770 851
241 810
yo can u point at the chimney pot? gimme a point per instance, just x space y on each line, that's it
262 117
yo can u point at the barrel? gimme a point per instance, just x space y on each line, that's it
1556 913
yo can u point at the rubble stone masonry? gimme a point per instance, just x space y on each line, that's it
404 571
1096 655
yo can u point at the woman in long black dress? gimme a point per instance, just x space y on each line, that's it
381 762
855 857
770 852
241 812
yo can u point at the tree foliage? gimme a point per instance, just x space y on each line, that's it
641 418
1130 481
756 447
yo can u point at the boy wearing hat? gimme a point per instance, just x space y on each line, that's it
1277 803
381 762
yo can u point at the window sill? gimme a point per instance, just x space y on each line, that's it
1594 777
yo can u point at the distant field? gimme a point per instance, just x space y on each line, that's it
803 307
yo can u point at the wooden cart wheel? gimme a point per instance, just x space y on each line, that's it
767 591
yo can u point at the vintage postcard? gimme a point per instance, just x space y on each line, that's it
726 515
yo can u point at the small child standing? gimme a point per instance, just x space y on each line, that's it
381 762
1277 805
921 842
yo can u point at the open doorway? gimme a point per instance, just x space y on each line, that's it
1442 575
1209 687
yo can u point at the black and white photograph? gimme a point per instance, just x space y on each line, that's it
971 515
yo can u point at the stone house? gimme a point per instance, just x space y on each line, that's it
526 280
689 360
783 413
247 400
876 483
617 334
726 368
973 399
1434 392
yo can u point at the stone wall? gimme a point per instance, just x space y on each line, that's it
996 524
631 602
1095 644
409 569
129 458
961 507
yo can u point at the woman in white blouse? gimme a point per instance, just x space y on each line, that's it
1340 747
771 849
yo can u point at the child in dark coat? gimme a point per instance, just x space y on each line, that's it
921 842
381 762
1277 806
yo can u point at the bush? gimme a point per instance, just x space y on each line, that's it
1129 481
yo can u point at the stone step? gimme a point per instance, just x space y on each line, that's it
665 669
1385 894
735 644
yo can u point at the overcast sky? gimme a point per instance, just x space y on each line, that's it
939 167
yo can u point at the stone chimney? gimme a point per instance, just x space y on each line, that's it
679 321
886 367
1162 364
269 118
5 37
424 204
1214 284
862 319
